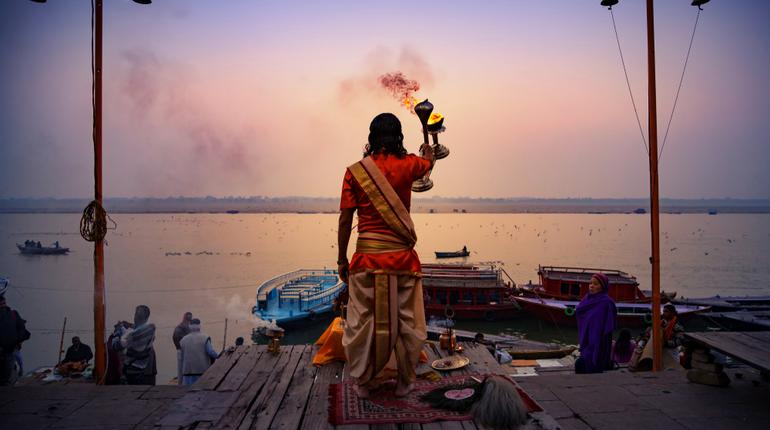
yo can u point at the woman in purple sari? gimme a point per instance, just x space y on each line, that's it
596 315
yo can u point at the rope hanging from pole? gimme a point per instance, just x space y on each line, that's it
628 83
93 223
681 79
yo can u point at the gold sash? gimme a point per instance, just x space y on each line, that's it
385 200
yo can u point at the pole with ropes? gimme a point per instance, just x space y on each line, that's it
652 152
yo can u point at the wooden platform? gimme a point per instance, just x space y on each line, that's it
251 388
750 347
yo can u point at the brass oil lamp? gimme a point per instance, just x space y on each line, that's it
432 124
448 340
275 334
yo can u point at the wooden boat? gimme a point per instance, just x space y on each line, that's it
473 291
729 303
630 315
571 283
741 319
452 254
42 250
296 296
519 348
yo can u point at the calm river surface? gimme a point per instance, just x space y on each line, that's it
225 257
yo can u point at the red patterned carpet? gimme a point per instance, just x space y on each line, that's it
345 407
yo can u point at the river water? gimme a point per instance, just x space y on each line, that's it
225 257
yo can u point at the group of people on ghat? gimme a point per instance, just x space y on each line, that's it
132 357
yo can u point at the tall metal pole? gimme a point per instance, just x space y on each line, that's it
657 342
100 353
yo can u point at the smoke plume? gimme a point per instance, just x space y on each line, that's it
401 88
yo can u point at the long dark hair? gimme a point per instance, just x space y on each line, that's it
385 136
623 344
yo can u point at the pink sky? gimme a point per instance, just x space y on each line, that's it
259 98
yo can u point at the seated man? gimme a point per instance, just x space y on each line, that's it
77 358
78 352
672 340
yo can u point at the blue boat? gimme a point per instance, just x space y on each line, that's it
297 295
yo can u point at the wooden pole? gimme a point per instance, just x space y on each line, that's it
61 340
224 340
100 353
657 342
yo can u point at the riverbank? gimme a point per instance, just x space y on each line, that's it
437 204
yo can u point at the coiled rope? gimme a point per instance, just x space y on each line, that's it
93 223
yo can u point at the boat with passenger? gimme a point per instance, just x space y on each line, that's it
298 295
453 254
475 291
31 247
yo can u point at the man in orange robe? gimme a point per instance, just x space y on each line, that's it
385 314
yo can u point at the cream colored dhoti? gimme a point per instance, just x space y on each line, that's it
385 323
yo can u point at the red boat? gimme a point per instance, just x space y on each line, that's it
571 283
473 291
630 315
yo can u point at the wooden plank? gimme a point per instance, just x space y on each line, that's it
388 426
731 346
219 370
264 408
316 415
434 353
199 406
252 386
292 408
235 378
760 336
742 338
481 360
752 342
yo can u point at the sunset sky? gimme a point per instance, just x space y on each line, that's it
275 98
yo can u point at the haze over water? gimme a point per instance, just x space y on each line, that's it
230 255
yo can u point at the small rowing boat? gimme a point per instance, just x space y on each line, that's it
453 254
34 248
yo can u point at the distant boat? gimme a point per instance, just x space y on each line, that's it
640 211
713 212
31 248
298 295
232 211
453 254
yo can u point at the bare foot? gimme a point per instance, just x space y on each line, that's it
362 392
403 390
